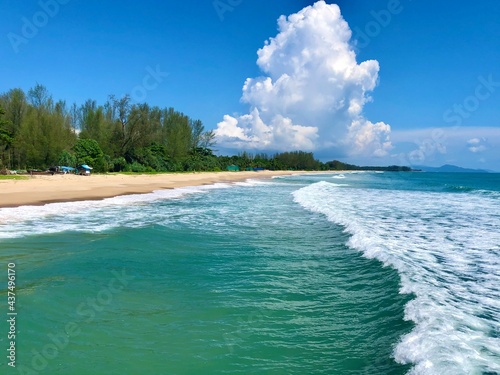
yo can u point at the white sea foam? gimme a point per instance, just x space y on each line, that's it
338 176
254 182
89 216
132 211
446 248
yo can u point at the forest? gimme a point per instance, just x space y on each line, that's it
37 132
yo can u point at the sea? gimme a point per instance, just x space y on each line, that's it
345 273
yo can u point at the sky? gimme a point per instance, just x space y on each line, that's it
375 82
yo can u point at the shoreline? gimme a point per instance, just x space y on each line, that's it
41 190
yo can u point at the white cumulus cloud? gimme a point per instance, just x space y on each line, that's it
312 93
476 145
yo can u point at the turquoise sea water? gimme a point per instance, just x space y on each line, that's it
358 273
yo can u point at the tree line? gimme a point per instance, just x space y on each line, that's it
37 132
336 165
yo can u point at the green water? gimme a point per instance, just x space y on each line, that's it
241 284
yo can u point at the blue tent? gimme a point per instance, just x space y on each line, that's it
84 169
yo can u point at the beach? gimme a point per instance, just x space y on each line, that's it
38 190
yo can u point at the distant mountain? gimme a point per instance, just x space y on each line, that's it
450 169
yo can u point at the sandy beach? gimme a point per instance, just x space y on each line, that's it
39 190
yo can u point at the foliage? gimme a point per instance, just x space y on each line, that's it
88 151
298 160
137 167
339 166
66 159
41 128
5 136
118 164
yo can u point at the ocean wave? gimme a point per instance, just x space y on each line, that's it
471 190
255 182
459 188
447 252
90 216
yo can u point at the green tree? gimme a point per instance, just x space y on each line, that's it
119 164
67 159
298 160
88 151
14 103
178 134
197 130
120 113
45 130
15 106
6 140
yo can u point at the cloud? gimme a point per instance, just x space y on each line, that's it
474 141
476 149
312 93
476 146
366 137
250 131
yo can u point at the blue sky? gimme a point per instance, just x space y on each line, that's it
434 85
